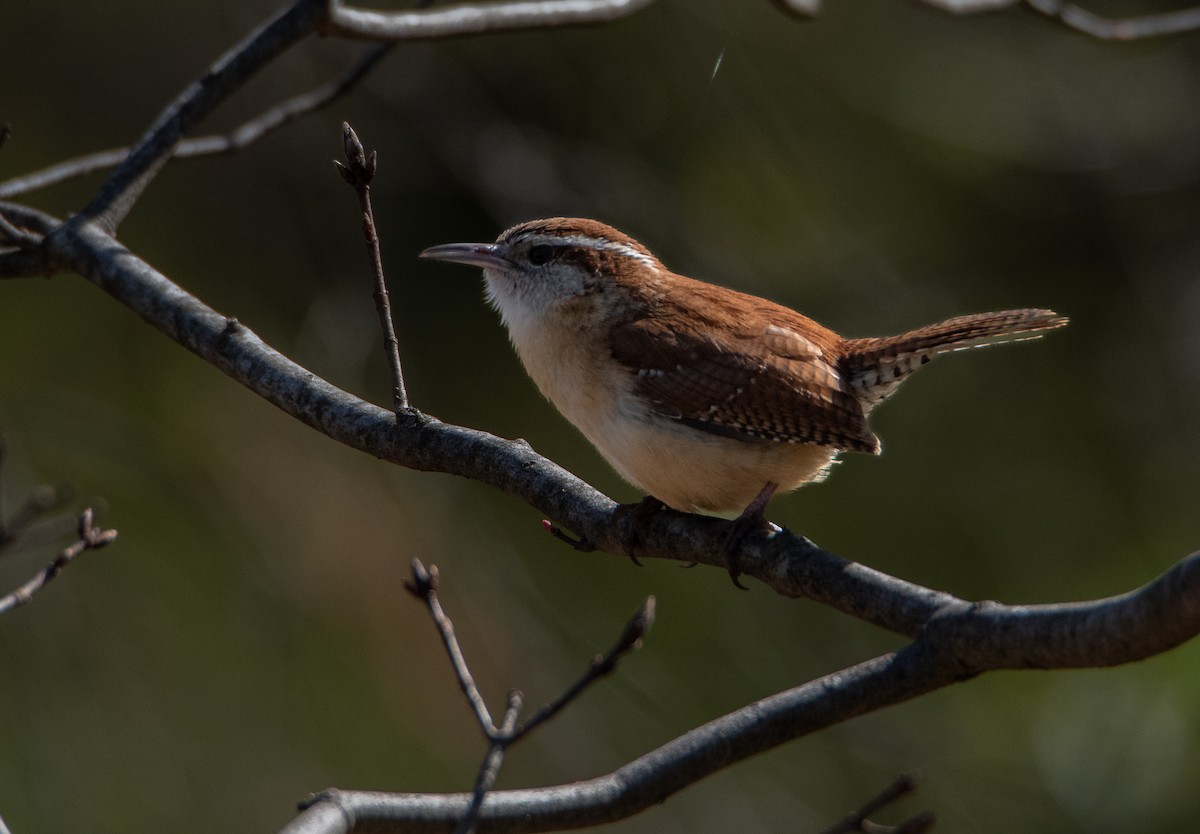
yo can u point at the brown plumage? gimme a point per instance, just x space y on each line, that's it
700 395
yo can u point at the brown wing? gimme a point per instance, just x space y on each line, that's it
769 383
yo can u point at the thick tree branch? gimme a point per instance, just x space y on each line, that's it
1153 619
961 643
955 639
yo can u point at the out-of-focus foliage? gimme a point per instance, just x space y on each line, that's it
247 641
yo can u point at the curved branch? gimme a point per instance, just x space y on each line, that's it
350 22
955 639
958 644
1085 22
1152 619
1118 29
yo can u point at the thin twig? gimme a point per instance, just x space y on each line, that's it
358 174
90 538
18 237
859 821
424 587
214 145
489 770
630 640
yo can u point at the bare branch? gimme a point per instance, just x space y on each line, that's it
1135 625
957 644
1118 29
18 262
799 8
657 775
489 770
469 19
859 821
90 538
1081 20
424 587
358 174
235 140
630 640
966 7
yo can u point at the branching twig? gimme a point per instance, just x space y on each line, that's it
90 538
630 640
235 140
424 586
489 770
953 639
358 173
859 822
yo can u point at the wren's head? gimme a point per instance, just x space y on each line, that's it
549 266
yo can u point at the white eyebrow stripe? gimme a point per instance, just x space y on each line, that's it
597 243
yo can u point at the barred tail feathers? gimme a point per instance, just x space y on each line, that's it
877 366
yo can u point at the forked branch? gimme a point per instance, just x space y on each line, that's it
424 586
90 538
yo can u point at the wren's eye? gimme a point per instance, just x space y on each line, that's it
541 254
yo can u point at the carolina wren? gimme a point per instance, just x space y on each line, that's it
707 398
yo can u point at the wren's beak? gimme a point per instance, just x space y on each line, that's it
485 255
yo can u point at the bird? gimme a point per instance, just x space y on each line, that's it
707 399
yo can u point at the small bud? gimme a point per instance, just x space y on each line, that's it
638 626
85 523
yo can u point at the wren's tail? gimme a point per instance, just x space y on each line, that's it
876 367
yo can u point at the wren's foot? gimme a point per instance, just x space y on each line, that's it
639 515
752 518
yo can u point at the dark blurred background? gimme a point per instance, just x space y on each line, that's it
247 641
